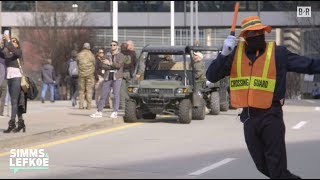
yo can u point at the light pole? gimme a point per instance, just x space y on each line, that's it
197 28
191 23
172 22
115 20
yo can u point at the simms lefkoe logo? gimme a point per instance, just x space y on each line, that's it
28 159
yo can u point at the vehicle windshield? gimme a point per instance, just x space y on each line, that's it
168 67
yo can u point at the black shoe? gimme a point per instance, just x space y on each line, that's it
21 125
12 125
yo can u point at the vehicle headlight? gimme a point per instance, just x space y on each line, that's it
179 91
182 91
133 89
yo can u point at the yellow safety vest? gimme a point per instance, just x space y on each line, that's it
253 84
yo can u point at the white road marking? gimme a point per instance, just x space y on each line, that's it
213 166
310 101
299 125
317 108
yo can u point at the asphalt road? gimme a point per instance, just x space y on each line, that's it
211 148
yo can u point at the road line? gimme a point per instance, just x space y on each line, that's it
76 138
299 125
211 167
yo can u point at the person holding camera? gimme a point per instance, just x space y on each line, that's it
12 53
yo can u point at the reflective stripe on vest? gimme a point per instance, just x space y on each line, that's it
255 88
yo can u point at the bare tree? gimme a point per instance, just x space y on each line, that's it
53 33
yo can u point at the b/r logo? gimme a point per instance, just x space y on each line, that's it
303 11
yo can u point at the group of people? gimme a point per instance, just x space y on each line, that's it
99 74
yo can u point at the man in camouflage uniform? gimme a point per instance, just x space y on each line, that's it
86 62
199 70
128 69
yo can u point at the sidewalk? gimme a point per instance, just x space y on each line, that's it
50 120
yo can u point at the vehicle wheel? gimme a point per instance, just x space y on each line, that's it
199 113
149 115
130 114
224 106
185 111
215 103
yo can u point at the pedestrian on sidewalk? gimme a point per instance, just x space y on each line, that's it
86 64
127 49
12 53
112 79
257 71
99 77
72 71
48 77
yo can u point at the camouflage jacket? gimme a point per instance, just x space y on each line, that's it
199 71
86 62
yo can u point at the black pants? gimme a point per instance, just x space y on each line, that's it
264 132
14 92
74 88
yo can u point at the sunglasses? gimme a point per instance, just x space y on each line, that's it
113 45
253 33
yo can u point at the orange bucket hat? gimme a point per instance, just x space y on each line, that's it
253 23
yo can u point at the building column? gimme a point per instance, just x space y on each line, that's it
115 20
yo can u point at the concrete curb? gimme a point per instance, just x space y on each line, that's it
7 144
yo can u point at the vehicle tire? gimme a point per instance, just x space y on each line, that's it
199 113
149 115
185 111
215 103
224 106
130 113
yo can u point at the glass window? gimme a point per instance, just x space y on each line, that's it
22 6
179 6
207 6
72 6
144 6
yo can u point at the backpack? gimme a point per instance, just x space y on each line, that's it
73 68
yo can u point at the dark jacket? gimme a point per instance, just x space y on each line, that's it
286 61
117 65
99 70
48 74
129 60
11 54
